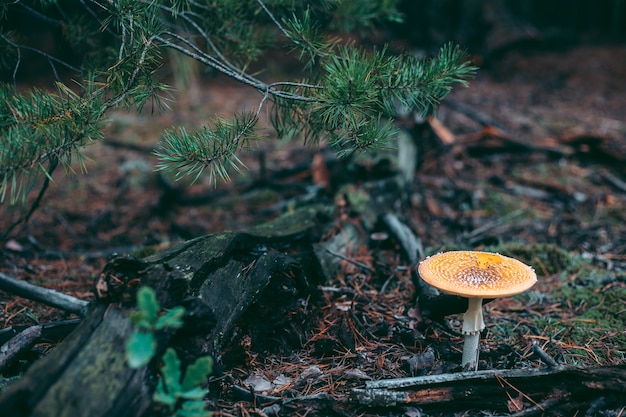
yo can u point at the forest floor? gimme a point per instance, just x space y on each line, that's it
529 161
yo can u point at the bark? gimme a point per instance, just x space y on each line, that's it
571 389
20 343
219 278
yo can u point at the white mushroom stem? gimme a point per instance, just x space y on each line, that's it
471 350
473 317
472 325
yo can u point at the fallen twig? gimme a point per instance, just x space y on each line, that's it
431 303
43 295
411 244
476 234
613 180
54 331
18 344
547 359
361 265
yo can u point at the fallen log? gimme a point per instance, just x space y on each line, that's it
510 390
219 278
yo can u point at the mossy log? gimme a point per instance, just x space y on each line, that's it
219 278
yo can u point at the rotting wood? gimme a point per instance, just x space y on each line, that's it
53 331
17 341
219 279
18 344
492 389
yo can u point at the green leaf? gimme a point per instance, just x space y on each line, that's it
140 349
193 394
148 304
171 319
197 373
170 371
193 409
161 395
137 317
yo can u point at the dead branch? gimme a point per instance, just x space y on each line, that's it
18 344
43 295
52 332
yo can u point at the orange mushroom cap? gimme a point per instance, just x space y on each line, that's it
476 274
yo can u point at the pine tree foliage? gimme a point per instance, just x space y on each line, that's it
39 127
348 95
191 154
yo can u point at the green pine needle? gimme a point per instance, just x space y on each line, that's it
214 148
347 94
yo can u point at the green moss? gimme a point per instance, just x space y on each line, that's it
588 326
499 203
261 196
596 309
582 318
544 257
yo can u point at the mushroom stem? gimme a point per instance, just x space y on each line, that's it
471 350
472 325
473 317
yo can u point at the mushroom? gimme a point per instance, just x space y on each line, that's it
476 275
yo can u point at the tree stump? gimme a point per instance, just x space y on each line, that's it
258 274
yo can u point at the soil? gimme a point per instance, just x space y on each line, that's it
528 161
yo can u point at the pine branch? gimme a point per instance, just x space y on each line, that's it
216 149
308 40
349 97
39 127
357 87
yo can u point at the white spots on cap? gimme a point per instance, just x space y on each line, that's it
477 274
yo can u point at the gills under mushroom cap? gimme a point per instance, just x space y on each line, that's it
476 274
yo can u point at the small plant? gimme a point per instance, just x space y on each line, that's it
141 346
181 394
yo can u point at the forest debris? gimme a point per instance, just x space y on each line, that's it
493 389
356 373
411 244
490 139
18 344
613 180
258 383
408 155
361 265
87 373
281 380
319 171
51 331
43 295
431 303
479 232
422 362
543 355
330 252
309 375
481 118
443 133
14 245
596 145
